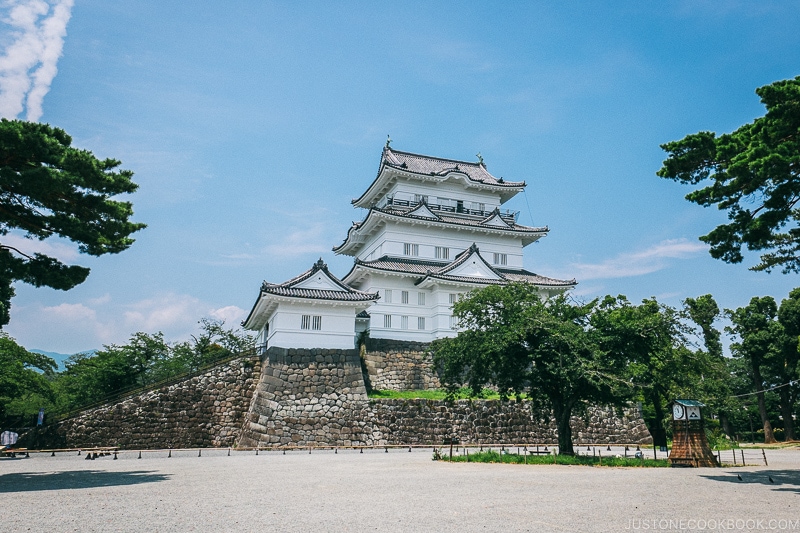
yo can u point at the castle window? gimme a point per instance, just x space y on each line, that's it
403 322
387 321
421 323
453 298
418 198
420 298
411 249
388 296
500 259
453 322
404 297
442 252
313 322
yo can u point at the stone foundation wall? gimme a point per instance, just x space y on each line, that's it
202 411
399 365
309 397
493 421
318 397
314 397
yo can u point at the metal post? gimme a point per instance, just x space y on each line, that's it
199 452
734 456
742 457
140 454
764 456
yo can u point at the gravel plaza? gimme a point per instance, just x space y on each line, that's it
380 491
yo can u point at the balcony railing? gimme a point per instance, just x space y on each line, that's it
507 215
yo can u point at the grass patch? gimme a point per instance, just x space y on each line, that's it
491 456
438 394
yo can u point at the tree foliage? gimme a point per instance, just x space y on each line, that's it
22 373
144 360
754 175
767 346
49 188
514 340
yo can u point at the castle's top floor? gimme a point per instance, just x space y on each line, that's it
403 176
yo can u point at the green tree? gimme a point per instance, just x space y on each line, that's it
784 366
48 188
754 175
22 373
513 339
712 383
144 360
760 338
650 337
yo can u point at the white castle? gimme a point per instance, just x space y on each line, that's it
434 231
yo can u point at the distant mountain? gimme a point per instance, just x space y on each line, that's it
59 358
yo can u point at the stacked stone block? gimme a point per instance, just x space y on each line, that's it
315 398
202 411
399 365
309 397
492 421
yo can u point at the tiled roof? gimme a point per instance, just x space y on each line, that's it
439 270
411 266
460 221
319 294
288 288
536 279
424 164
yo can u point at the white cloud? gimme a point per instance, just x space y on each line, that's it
76 327
28 63
53 248
638 263
163 312
231 315
310 240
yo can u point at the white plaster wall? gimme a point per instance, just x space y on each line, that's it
390 239
437 309
449 189
338 326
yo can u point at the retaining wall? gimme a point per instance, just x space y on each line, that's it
307 397
314 397
205 410
399 365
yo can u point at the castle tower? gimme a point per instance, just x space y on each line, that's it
434 230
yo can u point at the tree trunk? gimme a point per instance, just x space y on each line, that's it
758 383
657 425
562 414
725 422
786 413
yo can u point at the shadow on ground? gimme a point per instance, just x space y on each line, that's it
78 479
781 480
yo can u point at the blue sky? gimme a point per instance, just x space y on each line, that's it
250 127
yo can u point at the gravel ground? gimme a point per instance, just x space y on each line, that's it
378 491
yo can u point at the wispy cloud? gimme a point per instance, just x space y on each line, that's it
53 248
74 327
309 240
631 264
34 45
